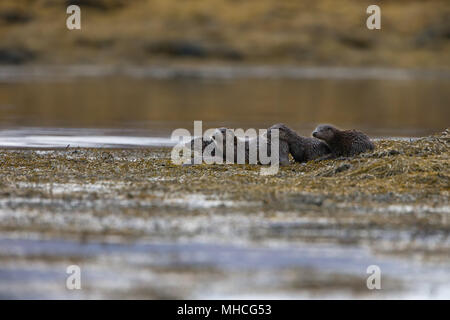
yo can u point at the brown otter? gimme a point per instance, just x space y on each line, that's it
199 144
220 139
202 144
302 149
343 143
283 144
250 144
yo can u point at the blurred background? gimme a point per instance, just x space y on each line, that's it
146 67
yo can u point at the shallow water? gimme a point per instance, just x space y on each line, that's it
106 266
78 137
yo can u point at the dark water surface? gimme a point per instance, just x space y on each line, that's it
82 111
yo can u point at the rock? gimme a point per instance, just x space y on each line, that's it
394 152
14 16
177 48
194 49
15 55
107 157
356 42
343 167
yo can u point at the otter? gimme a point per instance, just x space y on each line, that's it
250 144
200 148
226 134
283 146
199 144
343 143
302 149
221 148
204 142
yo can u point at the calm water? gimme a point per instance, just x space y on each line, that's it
122 110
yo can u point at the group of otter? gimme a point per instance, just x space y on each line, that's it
327 142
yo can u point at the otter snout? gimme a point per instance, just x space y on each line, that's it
314 134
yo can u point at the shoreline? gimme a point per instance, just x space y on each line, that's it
93 143
57 138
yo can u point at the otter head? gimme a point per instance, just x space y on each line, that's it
283 131
225 133
324 132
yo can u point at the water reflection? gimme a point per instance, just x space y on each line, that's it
156 107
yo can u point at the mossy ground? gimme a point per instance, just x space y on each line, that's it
394 201
415 173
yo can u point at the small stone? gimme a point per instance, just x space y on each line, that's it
343 167
107 157
394 152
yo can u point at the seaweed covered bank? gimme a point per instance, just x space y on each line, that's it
140 226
